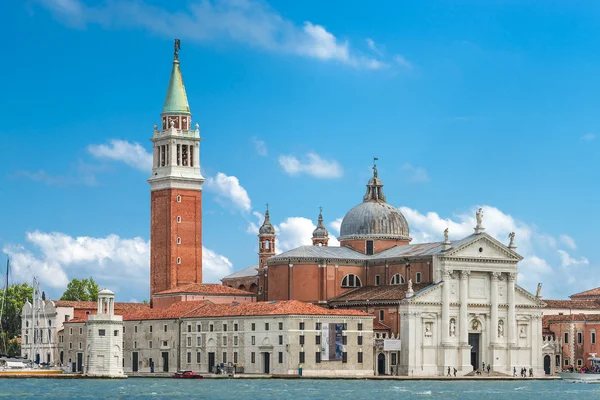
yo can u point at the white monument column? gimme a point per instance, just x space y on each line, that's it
512 314
446 306
494 307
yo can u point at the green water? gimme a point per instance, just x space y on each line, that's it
250 389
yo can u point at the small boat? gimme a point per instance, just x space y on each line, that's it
584 377
187 375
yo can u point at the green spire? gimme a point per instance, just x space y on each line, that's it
176 101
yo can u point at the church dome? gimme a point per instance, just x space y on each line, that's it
374 218
267 228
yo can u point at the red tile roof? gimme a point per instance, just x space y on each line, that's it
174 311
93 305
587 293
380 326
77 320
207 288
573 304
288 307
378 293
549 319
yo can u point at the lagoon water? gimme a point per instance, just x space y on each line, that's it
263 389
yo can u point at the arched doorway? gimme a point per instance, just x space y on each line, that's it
253 288
547 363
242 287
381 364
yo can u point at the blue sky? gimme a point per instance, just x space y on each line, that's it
466 104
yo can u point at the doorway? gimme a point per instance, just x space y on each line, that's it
547 361
474 343
165 359
211 362
267 362
79 362
381 364
134 361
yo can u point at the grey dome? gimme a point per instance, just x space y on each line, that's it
320 232
374 219
266 228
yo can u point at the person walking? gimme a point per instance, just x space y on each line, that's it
448 371
488 369
515 372
455 370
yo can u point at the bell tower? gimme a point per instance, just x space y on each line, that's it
266 249
175 192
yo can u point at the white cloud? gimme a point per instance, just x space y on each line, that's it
117 263
588 137
415 174
568 241
567 260
252 23
402 62
132 154
312 165
374 47
260 146
336 225
229 188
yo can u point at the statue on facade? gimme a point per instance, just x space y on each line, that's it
522 333
446 235
479 216
428 329
511 237
410 288
452 328
500 328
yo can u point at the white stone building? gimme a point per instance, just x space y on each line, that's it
104 344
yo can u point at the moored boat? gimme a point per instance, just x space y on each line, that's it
187 375
591 375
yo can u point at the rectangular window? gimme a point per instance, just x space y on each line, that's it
359 340
81 331
566 338
224 357
381 315
253 340
344 340
418 280
266 326
281 326
211 328
135 329
344 357
301 340
253 357
301 357
593 337
369 248
189 341
235 357
579 338
123 329
197 357
165 328
150 344
344 326
235 327
224 327
71 331
224 340
318 326
198 341
235 340
253 326
579 362
101 332
359 328
116 333
165 343
318 339
566 362
70 345
393 359
189 357
189 328
198 328
280 339
377 280
360 357
280 357
301 326
135 345
318 357
149 328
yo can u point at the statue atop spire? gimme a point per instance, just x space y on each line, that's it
374 187
177 48
320 235
375 166
266 228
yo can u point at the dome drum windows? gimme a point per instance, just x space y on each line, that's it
351 281
397 280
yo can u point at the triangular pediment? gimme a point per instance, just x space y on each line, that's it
481 246
524 298
430 294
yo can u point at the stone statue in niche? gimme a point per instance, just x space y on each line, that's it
522 333
452 328
428 332
500 328
475 325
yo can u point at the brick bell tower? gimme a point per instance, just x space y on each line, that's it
266 249
175 193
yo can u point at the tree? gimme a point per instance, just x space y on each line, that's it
81 290
16 297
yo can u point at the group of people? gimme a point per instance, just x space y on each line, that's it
523 372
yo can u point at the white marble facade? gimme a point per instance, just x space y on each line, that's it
475 313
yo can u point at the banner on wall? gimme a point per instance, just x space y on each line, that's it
331 342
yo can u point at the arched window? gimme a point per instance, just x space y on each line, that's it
397 279
267 244
351 280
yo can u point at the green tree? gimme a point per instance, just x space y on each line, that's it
16 297
81 290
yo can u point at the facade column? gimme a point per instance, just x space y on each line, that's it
495 276
291 275
464 298
446 306
512 314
